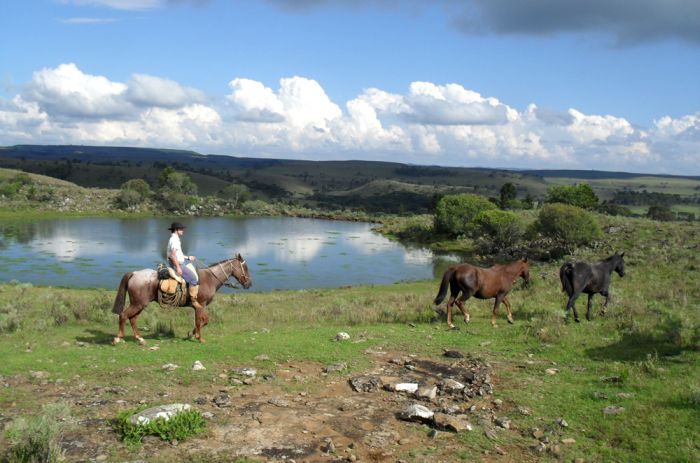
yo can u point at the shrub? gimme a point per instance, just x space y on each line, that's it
660 213
455 214
581 195
138 185
179 427
128 198
568 225
502 229
38 439
614 209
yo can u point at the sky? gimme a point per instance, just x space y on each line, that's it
539 84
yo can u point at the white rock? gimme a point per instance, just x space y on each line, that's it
197 365
164 412
406 387
417 412
427 392
342 336
452 385
170 366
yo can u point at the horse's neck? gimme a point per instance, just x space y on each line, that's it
513 269
607 265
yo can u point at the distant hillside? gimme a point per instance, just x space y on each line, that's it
373 186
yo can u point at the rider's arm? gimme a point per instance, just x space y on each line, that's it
173 257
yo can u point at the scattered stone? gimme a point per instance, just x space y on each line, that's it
490 434
342 336
551 371
207 415
450 385
539 447
503 422
612 380
613 410
261 357
556 450
404 387
416 412
427 392
524 411
499 450
197 366
170 367
38 374
235 381
600 395
277 402
164 412
335 367
245 371
538 434
453 354
562 422
222 400
625 395
365 383
452 423
154 348
498 403
485 343
568 441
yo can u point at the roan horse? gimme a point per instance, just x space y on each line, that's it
482 283
590 279
142 286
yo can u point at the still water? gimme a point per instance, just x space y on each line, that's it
282 253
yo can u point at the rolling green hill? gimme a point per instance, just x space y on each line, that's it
370 185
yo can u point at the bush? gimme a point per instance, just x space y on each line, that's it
575 195
38 439
660 213
614 209
128 198
179 427
568 225
502 229
455 214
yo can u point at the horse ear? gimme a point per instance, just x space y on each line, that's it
525 259
623 254
238 256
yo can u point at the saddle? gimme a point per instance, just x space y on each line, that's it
172 288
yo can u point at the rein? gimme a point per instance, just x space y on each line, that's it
224 282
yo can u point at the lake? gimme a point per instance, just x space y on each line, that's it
282 252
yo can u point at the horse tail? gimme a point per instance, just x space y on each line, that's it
443 285
121 294
566 275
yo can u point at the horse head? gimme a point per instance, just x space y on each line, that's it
525 270
620 264
240 272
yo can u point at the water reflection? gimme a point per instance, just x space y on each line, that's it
282 253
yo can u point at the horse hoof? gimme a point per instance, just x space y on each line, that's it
116 341
510 321
142 342
577 320
454 328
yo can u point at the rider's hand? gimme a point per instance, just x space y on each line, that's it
192 257
179 271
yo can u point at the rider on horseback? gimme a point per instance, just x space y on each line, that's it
181 263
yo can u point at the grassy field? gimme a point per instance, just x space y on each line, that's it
642 355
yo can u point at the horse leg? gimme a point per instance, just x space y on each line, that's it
605 303
498 301
588 308
449 312
126 314
461 305
510 309
571 304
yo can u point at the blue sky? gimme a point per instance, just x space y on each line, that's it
609 85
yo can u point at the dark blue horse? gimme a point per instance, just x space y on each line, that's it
590 279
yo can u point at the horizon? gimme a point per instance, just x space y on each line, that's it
529 85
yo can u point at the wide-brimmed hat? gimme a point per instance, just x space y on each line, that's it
176 226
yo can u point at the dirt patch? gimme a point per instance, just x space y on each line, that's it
298 413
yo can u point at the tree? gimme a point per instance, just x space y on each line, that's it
568 225
176 190
455 214
501 229
508 195
660 213
580 195
237 194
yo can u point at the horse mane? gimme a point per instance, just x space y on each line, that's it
220 262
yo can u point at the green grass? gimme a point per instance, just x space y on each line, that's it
181 426
643 354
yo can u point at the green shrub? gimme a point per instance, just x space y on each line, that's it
502 229
580 195
38 439
568 225
455 214
660 213
179 427
614 209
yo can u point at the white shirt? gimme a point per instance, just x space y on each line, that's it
174 244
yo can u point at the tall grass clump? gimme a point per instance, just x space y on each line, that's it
38 439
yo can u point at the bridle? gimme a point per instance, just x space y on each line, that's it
225 282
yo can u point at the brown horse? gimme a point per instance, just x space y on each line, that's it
482 283
142 286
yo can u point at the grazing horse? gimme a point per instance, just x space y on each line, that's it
590 279
142 286
482 283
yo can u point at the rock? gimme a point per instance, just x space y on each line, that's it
335 367
538 434
485 343
613 410
245 371
277 402
404 387
208 415
38 374
342 336
451 423
197 366
503 422
568 441
261 357
164 412
562 422
416 412
600 395
556 450
453 354
625 395
451 385
427 392
498 403
551 371
524 411
170 367
490 434
222 400
365 383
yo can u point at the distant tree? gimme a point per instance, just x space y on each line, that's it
455 214
237 194
176 190
568 225
580 195
508 194
614 209
660 213
138 185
